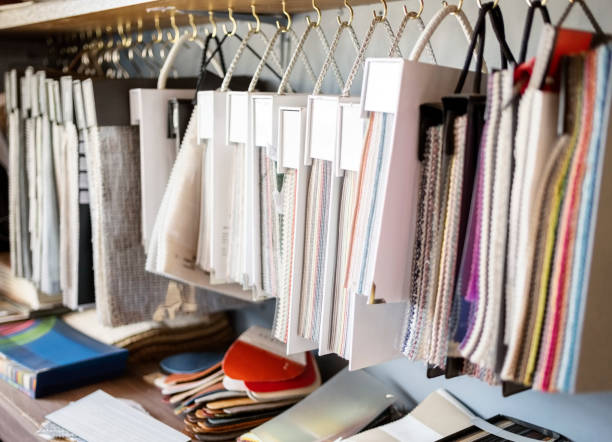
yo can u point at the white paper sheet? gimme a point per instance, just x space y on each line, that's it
99 417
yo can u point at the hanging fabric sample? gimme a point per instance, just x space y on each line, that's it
557 328
218 185
566 376
481 345
368 198
148 110
438 348
75 217
317 221
21 143
341 303
15 152
323 205
286 219
237 229
82 238
174 240
269 224
48 204
125 293
282 201
535 154
430 219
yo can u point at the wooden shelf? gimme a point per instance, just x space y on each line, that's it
52 16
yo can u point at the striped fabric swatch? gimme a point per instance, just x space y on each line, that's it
584 230
341 301
449 248
285 252
206 212
237 230
554 327
269 221
317 220
427 248
535 363
368 199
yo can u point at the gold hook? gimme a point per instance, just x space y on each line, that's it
194 29
286 14
351 13
384 14
459 5
230 14
177 34
100 42
139 35
257 22
211 19
415 14
121 33
109 34
128 30
318 11
158 31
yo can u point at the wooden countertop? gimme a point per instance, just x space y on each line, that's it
20 415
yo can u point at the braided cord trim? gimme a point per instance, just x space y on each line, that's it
362 51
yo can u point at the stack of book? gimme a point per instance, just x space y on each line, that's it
45 356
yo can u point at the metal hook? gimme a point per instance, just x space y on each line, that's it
139 35
177 32
109 33
349 22
158 31
122 36
257 22
459 5
415 14
286 14
384 14
230 14
194 29
318 11
211 19
128 39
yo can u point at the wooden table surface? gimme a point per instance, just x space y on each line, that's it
21 415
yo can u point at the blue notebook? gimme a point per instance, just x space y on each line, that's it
45 356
